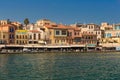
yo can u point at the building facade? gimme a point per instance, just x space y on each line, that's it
7 33
21 37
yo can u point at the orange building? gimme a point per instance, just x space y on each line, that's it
7 33
74 35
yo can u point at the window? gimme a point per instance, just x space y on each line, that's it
64 32
11 36
75 33
91 27
11 29
17 42
25 36
38 36
108 35
3 36
50 33
30 36
57 32
70 34
117 27
89 37
30 42
17 36
98 32
34 36
20 37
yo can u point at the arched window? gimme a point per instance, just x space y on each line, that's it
34 36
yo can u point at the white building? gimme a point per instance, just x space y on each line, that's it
44 22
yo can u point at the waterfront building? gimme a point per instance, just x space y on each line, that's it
34 37
44 22
74 35
89 39
91 29
106 26
44 33
37 34
112 35
77 36
7 32
57 34
70 35
21 37
95 29
115 32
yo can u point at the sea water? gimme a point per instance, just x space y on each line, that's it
60 66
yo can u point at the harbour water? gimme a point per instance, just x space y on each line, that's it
60 66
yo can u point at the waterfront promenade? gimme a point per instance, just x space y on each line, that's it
55 48
43 48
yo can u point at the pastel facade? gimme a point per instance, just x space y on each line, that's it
92 29
7 33
36 33
70 35
21 37
58 35
44 22
89 39
106 26
112 36
46 32
113 33
34 37
77 36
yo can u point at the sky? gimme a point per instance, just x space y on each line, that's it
61 11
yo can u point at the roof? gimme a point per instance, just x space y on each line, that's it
7 25
60 26
56 26
35 31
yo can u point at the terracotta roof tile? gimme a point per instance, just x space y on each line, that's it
36 31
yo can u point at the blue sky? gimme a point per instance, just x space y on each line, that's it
61 11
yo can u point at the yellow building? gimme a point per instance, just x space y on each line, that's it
57 34
21 37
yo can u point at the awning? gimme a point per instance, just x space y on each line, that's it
91 45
